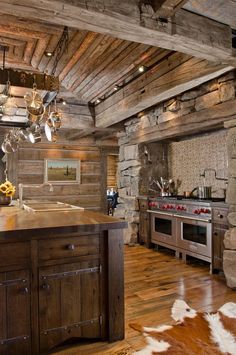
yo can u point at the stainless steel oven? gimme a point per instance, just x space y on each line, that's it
194 235
163 228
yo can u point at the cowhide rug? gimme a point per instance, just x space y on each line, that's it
194 333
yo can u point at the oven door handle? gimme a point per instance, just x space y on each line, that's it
193 219
162 213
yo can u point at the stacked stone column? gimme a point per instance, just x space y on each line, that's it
229 256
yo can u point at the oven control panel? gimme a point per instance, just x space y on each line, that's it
180 207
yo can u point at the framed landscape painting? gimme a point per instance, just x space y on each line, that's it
62 171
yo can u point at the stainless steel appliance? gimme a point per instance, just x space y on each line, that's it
183 225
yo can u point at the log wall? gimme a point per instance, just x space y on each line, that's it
27 167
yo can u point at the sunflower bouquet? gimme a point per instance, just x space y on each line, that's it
7 189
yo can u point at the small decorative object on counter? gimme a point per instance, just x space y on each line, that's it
7 190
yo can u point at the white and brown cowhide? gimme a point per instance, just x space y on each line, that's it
194 333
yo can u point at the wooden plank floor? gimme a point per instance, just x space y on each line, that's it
153 280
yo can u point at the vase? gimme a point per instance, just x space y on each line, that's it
5 200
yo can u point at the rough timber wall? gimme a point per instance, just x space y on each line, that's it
27 167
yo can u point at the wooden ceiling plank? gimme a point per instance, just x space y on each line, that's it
114 51
23 32
191 123
29 50
93 61
130 71
5 40
54 39
189 33
51 61
184 77
86 41
218 10
102 80
39 50
24 22
168 63
87 53
167 8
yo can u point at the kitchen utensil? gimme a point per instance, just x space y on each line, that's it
35 115
55 119
203 192
33 99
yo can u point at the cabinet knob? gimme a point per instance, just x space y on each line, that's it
215 233
70 247
220 215
45 286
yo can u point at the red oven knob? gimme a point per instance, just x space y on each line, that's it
183 208
196 212
207 211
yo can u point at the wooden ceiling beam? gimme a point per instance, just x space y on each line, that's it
208 119
188 33
174 75
166 8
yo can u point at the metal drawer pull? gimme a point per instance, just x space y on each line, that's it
45 286
70 247
12 282
13 340
71 273
71 326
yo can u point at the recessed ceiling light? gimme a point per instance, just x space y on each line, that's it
48 53
63 102
98 101
116 87
142 68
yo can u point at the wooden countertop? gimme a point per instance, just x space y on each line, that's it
18 222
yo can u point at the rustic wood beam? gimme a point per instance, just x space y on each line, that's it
88 131
169 78
208 119
166 8
188 33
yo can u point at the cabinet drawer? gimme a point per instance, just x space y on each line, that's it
220 215
15 254
57 248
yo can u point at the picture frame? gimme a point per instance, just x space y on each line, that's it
62 171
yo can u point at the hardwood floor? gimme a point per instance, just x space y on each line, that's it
153 280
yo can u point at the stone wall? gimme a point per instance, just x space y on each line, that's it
229 256
134 167
137 165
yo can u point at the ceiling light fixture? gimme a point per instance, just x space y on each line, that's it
142 68
116 87
63 102
48 54
98 101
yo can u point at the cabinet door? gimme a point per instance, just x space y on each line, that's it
218 247
69 303
15 313
144 233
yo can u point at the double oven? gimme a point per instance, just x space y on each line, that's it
185 227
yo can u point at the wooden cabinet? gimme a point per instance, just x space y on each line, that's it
60 288
15 325
69 305
219 227
144 223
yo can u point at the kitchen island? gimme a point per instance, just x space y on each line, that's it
61 279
